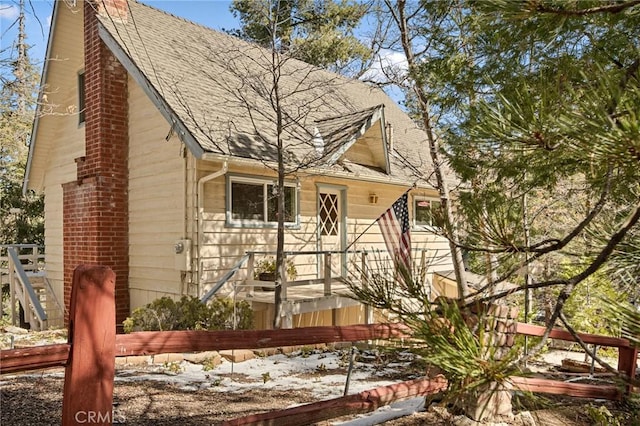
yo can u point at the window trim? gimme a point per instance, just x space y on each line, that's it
421 227
82 98
250 223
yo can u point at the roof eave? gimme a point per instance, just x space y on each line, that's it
385 142
36 118
156 98
315 171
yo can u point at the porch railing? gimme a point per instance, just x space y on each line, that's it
224 279
31 257
364 262
20 287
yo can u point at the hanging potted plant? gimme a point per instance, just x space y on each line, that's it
265 270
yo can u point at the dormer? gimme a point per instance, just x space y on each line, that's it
359 138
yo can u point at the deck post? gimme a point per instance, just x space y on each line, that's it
250 271
327 274
12 290
88 378
283 278
34 258
423 270
368 312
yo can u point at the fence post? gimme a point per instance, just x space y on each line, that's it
627 358
88 378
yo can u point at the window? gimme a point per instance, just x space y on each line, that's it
329 214
81 98
425 212
254 202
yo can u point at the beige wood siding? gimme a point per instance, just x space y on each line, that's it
60 138
223 246
368 149
444 287
157 183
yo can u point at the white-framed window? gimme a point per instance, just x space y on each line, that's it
424 212
253 202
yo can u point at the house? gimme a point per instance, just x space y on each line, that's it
154 148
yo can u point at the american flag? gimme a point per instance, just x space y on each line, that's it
394 224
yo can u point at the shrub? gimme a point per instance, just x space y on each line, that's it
189 314
159 315
221 315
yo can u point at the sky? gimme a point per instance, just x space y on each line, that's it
211 13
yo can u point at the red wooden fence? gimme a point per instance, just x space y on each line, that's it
89 357
88 378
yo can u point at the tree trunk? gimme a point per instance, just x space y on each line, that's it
432 140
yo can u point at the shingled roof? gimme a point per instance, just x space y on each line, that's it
217 91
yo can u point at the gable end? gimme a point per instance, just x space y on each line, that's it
360 138
158 100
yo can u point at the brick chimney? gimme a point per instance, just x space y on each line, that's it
95 218
117 9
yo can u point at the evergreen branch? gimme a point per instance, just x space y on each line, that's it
616 238
544 247
609 8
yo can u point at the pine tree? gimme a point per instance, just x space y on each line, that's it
556 117
319 33
21 215
536 106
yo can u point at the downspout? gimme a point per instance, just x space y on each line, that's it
200 197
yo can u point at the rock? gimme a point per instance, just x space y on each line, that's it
15 330
167 358
489 402
237 355
463 421
266 352
133 360
526 418
574 366
201 357
440 411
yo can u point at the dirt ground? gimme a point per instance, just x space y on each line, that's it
37 400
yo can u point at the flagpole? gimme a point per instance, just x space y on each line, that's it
376 220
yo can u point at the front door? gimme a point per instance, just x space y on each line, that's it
331 227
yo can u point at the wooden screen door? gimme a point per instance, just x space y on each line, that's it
331 227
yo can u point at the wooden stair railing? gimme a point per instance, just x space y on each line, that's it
20 286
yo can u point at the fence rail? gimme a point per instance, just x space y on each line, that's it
90 357
159 342
34 358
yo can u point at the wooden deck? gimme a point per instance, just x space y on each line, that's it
299 297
